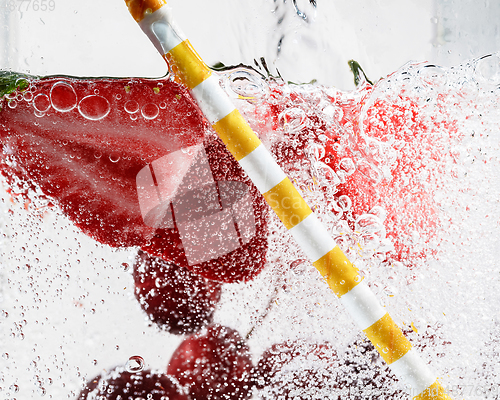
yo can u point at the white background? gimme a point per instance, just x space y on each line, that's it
96 37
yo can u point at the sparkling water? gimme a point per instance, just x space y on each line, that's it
428 137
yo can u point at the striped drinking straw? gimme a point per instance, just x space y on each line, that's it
155 19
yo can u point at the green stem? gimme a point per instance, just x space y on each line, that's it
357 71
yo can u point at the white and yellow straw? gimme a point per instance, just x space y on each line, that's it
155 19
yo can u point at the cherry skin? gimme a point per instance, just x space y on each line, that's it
214 364
121 384
173 297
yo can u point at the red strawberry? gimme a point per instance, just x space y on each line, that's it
214 364
89 166
173 297
389 163
91 144
121 384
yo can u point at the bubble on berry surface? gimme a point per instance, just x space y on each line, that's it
28 96
347 164
63 97
131 106
150 111
433 76
344 202
293 119
369 170
94 107
41 103
135 364
114 158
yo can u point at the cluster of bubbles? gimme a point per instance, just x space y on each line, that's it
63 98
310 114
477 81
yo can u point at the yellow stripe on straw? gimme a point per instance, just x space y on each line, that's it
338 271
388 339
237 135
141 8
342 277
433 392
287 203
187 65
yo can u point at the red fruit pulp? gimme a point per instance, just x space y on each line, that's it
214 364
174 298
121 384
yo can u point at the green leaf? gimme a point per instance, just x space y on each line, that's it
12 81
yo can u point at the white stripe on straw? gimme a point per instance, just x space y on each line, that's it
271 181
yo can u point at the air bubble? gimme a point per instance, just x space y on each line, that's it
114 158
63 97
150 111
131 106
369 171
28 96
488 70
94 107
347 165
22 83
293 119
135 364
246 84
325 174
12 103
367 223
5 356
379 212
433 76
344 202
163 105
316 151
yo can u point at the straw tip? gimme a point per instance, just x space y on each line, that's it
139 9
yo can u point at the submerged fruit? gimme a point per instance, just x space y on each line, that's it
121 384
105 150
174 298
214 364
